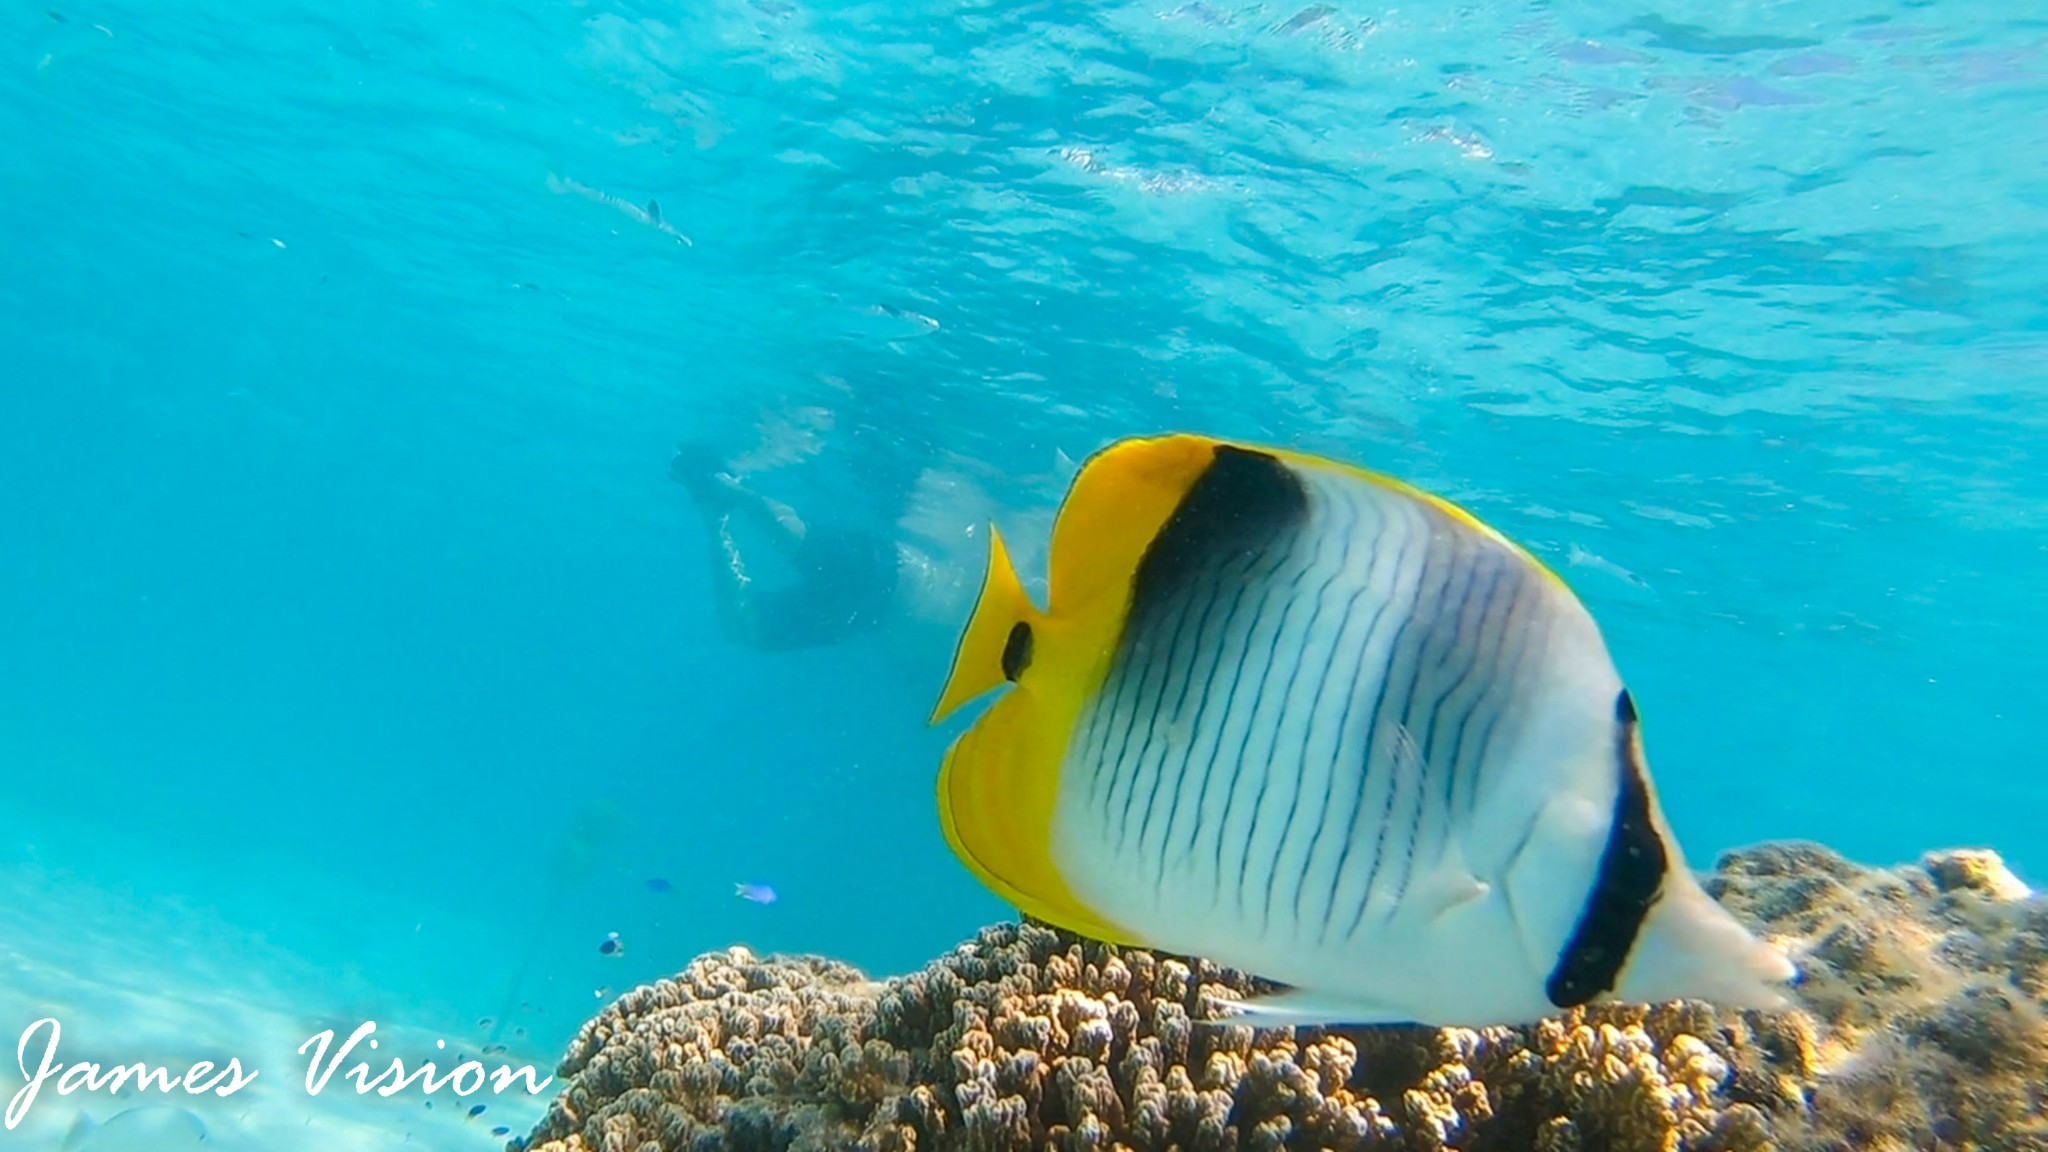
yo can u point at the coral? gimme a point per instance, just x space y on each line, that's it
751 1053
1921 1026
1924 997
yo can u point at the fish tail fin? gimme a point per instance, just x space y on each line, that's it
996 646
998 789
999 784
1691 948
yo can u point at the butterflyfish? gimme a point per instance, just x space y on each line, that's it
1317 725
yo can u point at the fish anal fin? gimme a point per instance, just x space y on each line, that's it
1306 1008
997 791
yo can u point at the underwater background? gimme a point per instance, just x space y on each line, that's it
358 656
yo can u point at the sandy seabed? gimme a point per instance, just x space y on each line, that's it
165 984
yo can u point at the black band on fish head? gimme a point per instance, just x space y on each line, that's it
1017 651
1630 877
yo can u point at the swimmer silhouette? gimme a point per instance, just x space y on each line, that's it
842 580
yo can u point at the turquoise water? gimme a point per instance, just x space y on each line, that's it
359 655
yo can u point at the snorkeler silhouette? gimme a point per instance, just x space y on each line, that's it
842 579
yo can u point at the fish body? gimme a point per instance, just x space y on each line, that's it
649 215
758 893
1315 724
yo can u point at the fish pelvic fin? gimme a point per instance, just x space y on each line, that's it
1306 1008
999 640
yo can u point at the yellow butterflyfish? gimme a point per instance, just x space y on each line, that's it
1320 726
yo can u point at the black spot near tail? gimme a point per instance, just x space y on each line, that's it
1631 875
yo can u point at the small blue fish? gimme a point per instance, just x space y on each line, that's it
659 885
500 1130
612 945
476 1110
758 893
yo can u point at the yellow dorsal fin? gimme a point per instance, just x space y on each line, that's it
1121 500
1457 514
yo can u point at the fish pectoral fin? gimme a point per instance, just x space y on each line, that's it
1306 1008
1443 890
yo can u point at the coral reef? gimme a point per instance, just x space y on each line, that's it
1923 1025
